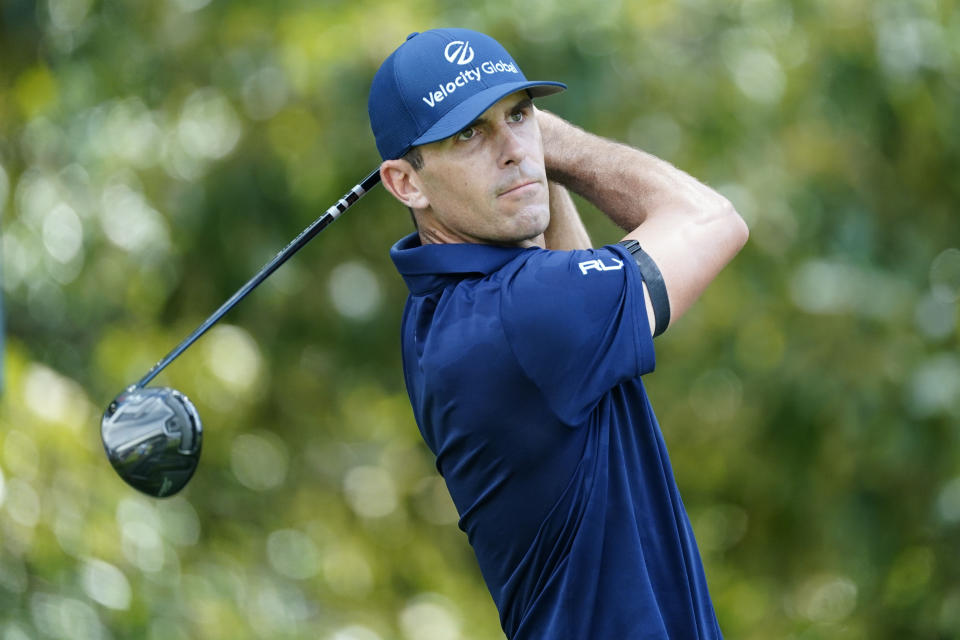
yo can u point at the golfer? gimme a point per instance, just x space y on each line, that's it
524 348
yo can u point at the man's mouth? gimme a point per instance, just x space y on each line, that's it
520 188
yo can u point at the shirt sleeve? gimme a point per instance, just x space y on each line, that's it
577 324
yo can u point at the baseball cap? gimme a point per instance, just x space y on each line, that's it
438 82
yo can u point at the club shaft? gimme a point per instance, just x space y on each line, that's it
298 243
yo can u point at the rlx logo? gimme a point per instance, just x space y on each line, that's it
458 51
598 265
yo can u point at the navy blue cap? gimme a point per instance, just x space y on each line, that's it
438 82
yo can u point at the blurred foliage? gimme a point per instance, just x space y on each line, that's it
154 155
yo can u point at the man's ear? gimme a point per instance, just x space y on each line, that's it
401 180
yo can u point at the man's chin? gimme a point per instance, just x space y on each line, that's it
528 223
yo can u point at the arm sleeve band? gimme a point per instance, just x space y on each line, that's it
655 285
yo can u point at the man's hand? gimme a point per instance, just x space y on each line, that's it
566 230
557 134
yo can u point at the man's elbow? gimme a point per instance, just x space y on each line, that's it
735 230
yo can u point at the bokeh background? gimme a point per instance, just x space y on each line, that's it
153 155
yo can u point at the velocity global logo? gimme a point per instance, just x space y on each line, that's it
465 77
458 51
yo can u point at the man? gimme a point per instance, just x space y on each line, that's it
523 347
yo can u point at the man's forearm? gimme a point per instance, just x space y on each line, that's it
627 184
566 231
688 230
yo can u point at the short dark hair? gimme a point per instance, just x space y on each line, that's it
415 158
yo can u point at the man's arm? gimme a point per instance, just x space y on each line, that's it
689 230
565 231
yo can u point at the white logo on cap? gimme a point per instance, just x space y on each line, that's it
461 49
466 76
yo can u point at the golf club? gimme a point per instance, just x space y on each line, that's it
152 436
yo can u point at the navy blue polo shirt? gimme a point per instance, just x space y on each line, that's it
523 369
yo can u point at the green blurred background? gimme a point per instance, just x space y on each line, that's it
153 155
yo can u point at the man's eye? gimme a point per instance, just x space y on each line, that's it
466 134
517 117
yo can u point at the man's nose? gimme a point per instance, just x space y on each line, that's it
511 146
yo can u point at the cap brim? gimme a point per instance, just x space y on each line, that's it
469 110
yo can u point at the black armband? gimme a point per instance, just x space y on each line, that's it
655 285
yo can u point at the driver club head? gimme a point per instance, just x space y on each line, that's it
152 437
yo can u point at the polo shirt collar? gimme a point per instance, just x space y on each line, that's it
429 267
